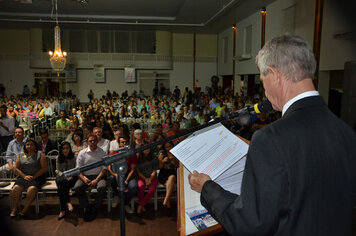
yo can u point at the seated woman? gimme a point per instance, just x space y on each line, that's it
156 118
66 160
40 110
144 114
167 125
77 143
30 167
146 168
168 172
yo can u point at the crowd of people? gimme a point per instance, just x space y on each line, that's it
103 127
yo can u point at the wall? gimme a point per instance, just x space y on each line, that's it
14 60
14 41
335 52
305 17
275 17
114 81
15 73
163 42
248 66
174 57
205 66
225 67
283 16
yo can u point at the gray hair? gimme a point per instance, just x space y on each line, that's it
290 55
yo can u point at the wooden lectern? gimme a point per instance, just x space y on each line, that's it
181 210
181 223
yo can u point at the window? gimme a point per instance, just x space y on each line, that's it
94 41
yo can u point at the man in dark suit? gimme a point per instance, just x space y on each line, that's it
46 145
300 171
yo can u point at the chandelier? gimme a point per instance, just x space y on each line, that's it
58 57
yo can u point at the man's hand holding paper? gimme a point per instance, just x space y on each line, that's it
197 180
213 153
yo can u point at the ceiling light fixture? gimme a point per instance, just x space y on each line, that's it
58 57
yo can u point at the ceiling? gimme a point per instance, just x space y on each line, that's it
184 15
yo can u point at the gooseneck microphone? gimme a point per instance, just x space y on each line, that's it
263 107
245 113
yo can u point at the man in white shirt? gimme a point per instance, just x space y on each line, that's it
52 104
103 143
114 144
47 109
14 148
94 178
7 127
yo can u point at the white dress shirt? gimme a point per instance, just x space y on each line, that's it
298 97
104 144
86 157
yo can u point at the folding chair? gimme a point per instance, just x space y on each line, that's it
50 186
7 177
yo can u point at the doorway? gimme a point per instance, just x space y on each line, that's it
228 84
149 80
50 84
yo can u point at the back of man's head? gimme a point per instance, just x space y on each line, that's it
290 55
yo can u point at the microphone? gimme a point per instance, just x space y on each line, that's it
263 107
243 115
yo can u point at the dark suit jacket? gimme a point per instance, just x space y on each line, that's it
51 145
299 178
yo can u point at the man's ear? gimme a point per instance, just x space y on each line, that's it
275 75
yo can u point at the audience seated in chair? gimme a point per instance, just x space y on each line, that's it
103 143
147 166
15 147
168 172
63 123
76 141
130 180
94 178
46 145
66 160
31 166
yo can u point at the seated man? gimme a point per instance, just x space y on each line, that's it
46 145
94 178
63 123
103 143
47 110
32 114
130 180
114 144
15 147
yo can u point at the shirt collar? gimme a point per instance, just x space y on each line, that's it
298 97
23 141
89 150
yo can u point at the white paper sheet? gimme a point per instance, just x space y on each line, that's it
216 152
212 150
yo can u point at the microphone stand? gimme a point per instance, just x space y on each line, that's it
119 159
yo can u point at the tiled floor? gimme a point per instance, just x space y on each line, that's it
151 222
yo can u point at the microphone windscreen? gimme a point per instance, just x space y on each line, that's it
263 107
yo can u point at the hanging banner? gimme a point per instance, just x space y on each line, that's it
99 73
71 73
130 74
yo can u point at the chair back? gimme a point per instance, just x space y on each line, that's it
6 174
51 162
